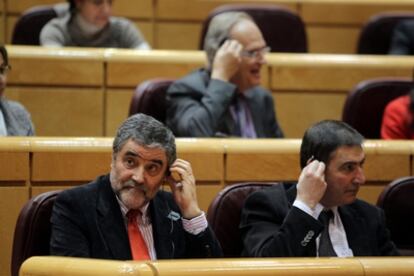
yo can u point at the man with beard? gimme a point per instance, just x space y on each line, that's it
125 215
225 99
320 216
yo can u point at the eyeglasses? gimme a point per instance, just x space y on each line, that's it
255 53
4 69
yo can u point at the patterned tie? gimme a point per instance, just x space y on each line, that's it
325 245
139 249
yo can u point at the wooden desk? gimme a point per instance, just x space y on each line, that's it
358 266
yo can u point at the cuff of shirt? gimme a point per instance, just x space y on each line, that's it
195 225
305 208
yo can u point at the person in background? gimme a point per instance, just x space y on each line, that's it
126 214
14 118
225 99
402 42
397 121
90 24
320 215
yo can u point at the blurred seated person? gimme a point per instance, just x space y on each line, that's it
126 214
225 98
90 24
320 215
397 121
14 118
402 42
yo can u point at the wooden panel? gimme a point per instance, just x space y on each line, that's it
309 72
345 12
19 6
54 66
133 9
37 190
370 191
199 9
387 167
10 22
177 36
61 111
116 109
148 65
14 166
147 30
206 194
262 160
332 39
310 107
12 200
206 158
2 28
69 166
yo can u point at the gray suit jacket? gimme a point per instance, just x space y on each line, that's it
199 107
87 222
18 122
271 227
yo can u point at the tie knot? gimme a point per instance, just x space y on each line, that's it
133 214
325 216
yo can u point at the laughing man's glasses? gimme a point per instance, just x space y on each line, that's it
255 53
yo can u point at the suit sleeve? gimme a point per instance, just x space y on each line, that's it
203 245
194 113
385 245
270 228
68 238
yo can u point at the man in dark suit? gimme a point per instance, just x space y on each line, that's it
283 222
95 220
225 99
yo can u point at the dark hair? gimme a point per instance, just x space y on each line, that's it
323 138
3 52
147 132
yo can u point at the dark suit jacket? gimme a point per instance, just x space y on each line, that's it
199 107
402 41
87 222
271 227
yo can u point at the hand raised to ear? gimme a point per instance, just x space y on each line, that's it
184 190
312 185
227 60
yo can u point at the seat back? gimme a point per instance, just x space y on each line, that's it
32 231
150 98
223 215
282 29
375 37
27 28
365 104
397 202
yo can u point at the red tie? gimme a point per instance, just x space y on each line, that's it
139 249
